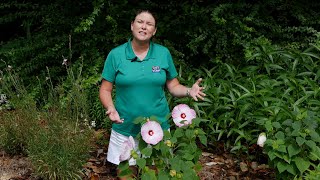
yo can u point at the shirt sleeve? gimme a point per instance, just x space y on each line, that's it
172 72
109 70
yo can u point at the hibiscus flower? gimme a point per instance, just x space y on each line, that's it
128 146
182 115
151 132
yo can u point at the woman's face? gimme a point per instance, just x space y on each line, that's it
143 27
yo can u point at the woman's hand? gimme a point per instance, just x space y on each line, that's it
196 91
114 116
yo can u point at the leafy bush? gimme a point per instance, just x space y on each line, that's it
175 156
275 91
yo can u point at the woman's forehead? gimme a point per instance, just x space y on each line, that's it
145 16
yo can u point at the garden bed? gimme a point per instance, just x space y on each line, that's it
216 165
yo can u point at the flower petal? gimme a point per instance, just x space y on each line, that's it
156 135
182 112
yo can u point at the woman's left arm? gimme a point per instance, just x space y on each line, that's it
179 90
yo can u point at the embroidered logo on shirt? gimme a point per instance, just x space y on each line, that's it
155 69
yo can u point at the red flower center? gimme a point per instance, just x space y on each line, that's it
150 132
183 115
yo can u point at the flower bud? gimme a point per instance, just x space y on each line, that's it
196 132
173 173
146 169
179 175
262 139
168 143
134 154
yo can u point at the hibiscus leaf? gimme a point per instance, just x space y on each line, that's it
155 118
190 133
157 146
188 156
163 175
167 134
126 172
178 133
149 175
147 151
142 144
141 163
139 120
203 139
123 165
191 175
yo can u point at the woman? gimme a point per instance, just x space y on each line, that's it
140 70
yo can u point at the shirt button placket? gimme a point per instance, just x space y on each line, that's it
142 68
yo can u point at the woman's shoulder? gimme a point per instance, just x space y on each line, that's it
119 48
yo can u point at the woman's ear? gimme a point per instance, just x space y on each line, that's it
154 33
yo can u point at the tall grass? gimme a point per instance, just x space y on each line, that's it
52 134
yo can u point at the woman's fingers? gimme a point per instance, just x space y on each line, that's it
198 81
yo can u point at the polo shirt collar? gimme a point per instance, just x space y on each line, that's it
131 56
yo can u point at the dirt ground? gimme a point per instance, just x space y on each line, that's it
216 165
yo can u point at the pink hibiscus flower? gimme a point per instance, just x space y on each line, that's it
128 146
182 115
151 132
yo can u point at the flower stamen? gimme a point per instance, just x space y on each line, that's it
150 132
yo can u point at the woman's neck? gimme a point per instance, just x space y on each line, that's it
139 47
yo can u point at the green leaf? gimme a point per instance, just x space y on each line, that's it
293 150
276 125
167 134
147 151
123 165
149 175
291 170
189 133
282 166
314 136
311 144
188 156
203 139
190 174
126 172
142 144
163 176
300 141
176 163
178 133
301 164
268 125
282 148
139 120
316 152
141 163
271 155
296 125
279 135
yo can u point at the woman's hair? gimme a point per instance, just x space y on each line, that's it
146 11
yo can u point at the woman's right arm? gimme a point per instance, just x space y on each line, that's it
105 94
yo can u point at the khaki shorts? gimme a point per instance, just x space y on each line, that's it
115 148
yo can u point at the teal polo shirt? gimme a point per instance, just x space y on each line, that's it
139 84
